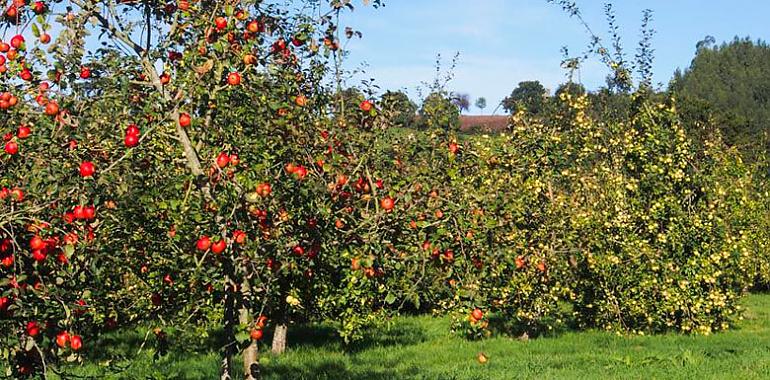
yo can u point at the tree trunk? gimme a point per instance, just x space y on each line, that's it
225 370
230 321
250 353
279 338
230 343
251 362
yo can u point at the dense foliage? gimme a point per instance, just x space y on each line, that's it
726 89
623 220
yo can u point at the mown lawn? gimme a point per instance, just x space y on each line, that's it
423 348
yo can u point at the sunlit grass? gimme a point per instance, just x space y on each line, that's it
423 348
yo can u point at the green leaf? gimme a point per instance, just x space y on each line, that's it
29 344
69 250
242 336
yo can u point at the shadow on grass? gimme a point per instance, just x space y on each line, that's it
313 335
545 328
404 334
326 336
119 344
326 370
127 344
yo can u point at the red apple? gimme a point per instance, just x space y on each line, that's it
239 236
87 169
39 7
223 159
131 141
76 342
33 328
219 246
301 172
453 147
261 321
264 189
62 339
253 26
234 78
23 132
17 41
4 303
78 212
132 129
204 243
387 203
220 22
52 108
17 194
11 147
36 243
89 212
184 120
26 75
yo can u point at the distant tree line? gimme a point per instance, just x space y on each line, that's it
727 86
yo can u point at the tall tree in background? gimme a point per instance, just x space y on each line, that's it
398 108
481 103
438 110
571 88
530 95
729 83
462 101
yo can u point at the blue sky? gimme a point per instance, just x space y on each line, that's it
503 42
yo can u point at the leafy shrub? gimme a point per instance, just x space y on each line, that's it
398 109
438 111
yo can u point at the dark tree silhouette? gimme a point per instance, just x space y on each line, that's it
530 95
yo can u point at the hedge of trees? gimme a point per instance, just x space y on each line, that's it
198 168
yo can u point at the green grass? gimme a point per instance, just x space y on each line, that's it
423 348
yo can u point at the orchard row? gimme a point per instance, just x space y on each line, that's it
233 186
